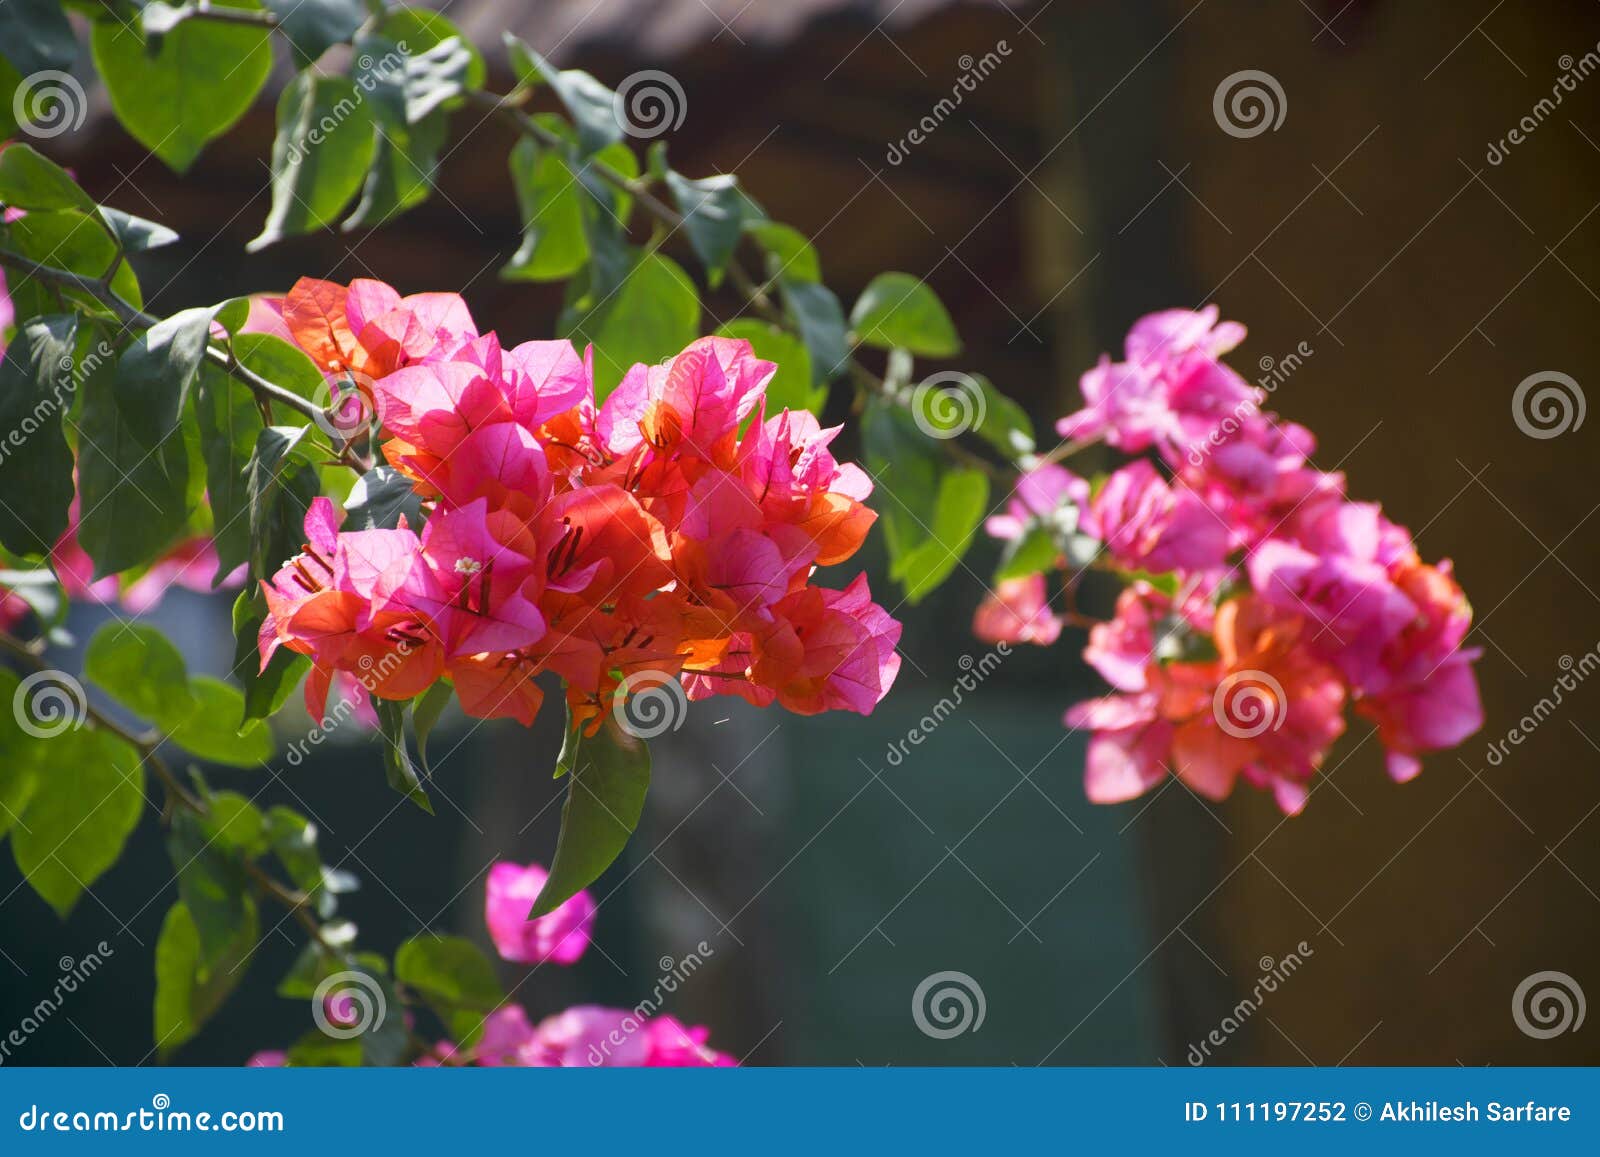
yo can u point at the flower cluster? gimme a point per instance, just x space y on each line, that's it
584 1035
1261 600
670 531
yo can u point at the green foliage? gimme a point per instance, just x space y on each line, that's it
187 991
87 796
454 977
35 35
651 315
713 211
380 499
141 670
36 384
609 775
397 766
186 89
320 157
930 510
554 246
135 499
30 181
897 310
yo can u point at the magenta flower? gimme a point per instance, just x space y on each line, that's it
560 937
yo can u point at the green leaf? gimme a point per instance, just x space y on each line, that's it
553 243
1004 424
135 501
211 730
1034 552
397 766
411 89
315 964
385 1041
425 715
590 102
420 30
21 755
177 96
320 156
605 211
402 174
316 1050
184 1001
30 181
605 798
78 242
379 499
281 363
790 256
135 234
141 670
229 424
86 802
212 886
791 387
313 26
897 310
713 216
819 317
237 823
155 373
449 972
930 512
652 315
36 385
293 839
35 37
281 490
264 691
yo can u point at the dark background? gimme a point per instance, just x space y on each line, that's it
1084 183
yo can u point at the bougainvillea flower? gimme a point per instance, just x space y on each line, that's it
1038 495
1293 601
1148 525
1017 611
559 938
647 534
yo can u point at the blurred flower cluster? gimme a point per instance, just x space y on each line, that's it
1260 602
583 1035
